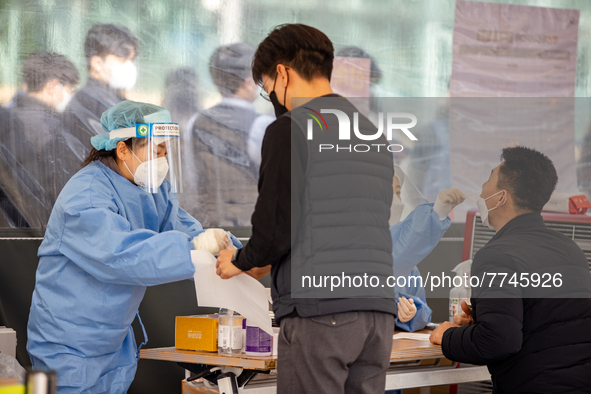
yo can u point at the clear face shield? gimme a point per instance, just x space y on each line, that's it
157 149
157 156
406 197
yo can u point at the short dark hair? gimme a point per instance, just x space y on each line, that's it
108 39
230 65
42 67
375 73
305 49
529 176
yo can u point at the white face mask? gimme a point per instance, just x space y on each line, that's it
142 178
396 210
123 76
484 209
67 97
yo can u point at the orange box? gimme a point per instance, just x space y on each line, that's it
198 332
8 381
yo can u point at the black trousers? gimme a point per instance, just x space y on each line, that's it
343 353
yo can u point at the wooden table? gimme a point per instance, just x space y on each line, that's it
414 363
402 350
210 358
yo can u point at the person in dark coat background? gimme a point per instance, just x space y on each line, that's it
223 161
46 151
532 338
15 181
110 51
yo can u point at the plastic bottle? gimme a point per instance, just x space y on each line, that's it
229 332
243 335
462 292
258 342
41 382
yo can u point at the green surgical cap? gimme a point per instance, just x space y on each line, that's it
127 114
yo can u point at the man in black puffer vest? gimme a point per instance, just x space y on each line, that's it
320 212
533 339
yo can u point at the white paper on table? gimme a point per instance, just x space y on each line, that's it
242 293
412 335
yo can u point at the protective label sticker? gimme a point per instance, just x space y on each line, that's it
165 129
157 130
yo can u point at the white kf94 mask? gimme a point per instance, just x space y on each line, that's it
484 209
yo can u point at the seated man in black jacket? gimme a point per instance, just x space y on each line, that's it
533 338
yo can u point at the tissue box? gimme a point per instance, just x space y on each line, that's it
199 332
7 341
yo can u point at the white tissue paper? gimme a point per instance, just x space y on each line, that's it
412 335
241 293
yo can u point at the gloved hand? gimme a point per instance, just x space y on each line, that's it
446 201
406 309
213 240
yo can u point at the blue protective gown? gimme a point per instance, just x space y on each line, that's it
412 240
106 240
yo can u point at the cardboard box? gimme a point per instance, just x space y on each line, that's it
199 332
188 389
8 381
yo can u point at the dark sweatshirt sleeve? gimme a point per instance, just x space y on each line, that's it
271 220
497 329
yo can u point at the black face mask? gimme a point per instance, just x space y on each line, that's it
279 109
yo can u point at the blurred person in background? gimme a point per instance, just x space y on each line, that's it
375 76
227 140
17 94
50 79
181 95
55 155
375 90
182 98
110 51
19 199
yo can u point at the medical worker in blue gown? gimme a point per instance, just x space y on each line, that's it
412 240
116 228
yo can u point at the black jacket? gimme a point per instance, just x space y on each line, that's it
51 156
19 190
530 345
87 107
